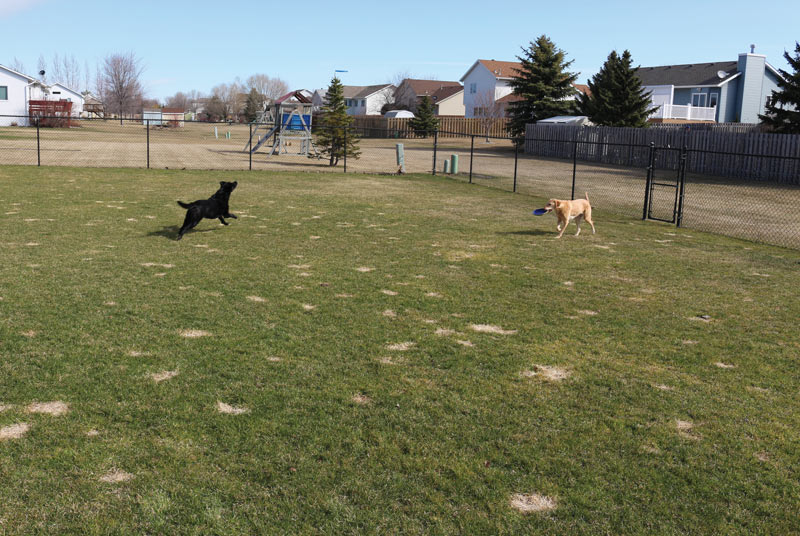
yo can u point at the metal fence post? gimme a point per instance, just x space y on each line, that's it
38 145
650 165
435 144
574 164
516 158
250 148
345 148
471 156
682 181
147 123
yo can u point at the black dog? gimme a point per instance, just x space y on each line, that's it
215 206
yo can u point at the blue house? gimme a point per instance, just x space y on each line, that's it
722 92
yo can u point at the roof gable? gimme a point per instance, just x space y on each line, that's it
21 75
429 87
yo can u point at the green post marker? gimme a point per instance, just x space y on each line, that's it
401 158
216 134
454 164
228 135
446 167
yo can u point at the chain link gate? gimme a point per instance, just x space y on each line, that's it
663 198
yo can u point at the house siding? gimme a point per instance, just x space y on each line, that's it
484 81
727 110
16 104
453 105
751 97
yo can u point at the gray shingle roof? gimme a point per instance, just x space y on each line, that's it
692 74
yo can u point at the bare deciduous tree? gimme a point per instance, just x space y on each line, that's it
66 70
268 87
487 110
119 85
179 100
18 66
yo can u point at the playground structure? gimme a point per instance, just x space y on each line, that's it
285 123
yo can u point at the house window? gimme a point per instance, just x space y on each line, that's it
699 99
363 102
3 92
473 88
712 100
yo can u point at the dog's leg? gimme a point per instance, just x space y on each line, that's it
578 220
229 215
191 220
223 221
562 228
589 218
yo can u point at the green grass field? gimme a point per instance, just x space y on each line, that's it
383 355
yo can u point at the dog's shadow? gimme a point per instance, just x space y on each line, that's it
527 232
171 231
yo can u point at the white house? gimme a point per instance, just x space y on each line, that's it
16 90
367 100
489 81
59 91
485 82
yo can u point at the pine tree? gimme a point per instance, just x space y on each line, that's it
783 107
253 106
334 137
543 85
425 122
617 98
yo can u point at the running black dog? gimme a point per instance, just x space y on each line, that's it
215 206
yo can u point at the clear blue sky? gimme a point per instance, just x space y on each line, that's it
187 45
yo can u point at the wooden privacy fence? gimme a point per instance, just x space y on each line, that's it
741 155
449 127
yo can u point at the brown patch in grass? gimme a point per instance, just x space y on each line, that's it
54 408
389 292
4 407
257 299
401 346
762 456
314 237
532 503
722 365
552 374
444 332
273 359
115 476
433 295
93 433
361 399
688 342
651 449
14 431
30 333
151 264
662 387
587 312
344 295
193 333
163 375
300 266
488 328
387 361
222 407
364 269
468 344
110 303
389 313
137 353
686 429
701 318
309 307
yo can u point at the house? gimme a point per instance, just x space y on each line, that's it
173 117
725 92
59 91
410 91
16 91
92 105
488 82
449 100
367 100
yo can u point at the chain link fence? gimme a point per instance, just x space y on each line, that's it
674 184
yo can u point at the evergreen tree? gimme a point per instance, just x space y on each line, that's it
617 98
543 85
334 137
425 121
253 106
783 107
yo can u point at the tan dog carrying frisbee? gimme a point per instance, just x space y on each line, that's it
566 211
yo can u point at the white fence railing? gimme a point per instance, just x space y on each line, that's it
675 111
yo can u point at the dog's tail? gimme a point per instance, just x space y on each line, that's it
587 197
185 205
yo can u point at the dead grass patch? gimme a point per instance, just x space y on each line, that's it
532 503
257 299
30 333
163 375
115 476
468 344
361 399
55 408
193 333
401 346
14 431
686 429
444 332
488 328
364 269
389 313
552 374
722 365
389 292
222 407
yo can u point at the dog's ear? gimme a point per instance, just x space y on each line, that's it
221 184
557 203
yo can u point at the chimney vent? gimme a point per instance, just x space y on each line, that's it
752 49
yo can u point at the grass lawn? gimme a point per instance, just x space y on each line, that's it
383 355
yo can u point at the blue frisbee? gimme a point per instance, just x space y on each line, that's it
540 212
